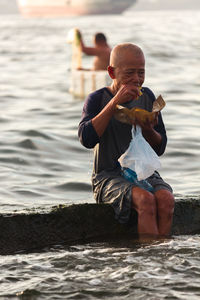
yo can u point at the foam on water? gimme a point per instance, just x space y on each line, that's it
157 270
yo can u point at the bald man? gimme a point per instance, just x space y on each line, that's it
110 138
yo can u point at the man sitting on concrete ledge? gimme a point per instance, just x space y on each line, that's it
110 138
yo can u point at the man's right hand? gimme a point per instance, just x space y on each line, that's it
126 93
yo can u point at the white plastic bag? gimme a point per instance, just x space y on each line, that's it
139 156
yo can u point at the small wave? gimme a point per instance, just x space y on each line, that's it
4 120
164 55
35 133
27 143
175 91
76 186
28 293
14 160
179 154
9 96
28 193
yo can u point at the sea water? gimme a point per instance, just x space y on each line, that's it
42 163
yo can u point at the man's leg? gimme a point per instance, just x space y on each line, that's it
165 209
144 203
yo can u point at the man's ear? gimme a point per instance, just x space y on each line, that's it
111 72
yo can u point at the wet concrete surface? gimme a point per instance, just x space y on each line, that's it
83 223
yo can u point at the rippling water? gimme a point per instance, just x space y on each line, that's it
160 270
43 164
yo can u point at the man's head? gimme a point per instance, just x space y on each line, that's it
99 38
127 64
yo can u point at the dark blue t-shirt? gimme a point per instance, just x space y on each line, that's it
117 136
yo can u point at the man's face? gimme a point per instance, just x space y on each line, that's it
131 70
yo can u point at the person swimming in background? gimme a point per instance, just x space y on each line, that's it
101 51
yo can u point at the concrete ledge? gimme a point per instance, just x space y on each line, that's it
82 223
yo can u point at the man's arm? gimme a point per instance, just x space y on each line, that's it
100 122
95 121
86 132
88 50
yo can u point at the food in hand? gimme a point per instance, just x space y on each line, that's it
140 92
130 116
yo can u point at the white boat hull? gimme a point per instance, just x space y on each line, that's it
50 8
